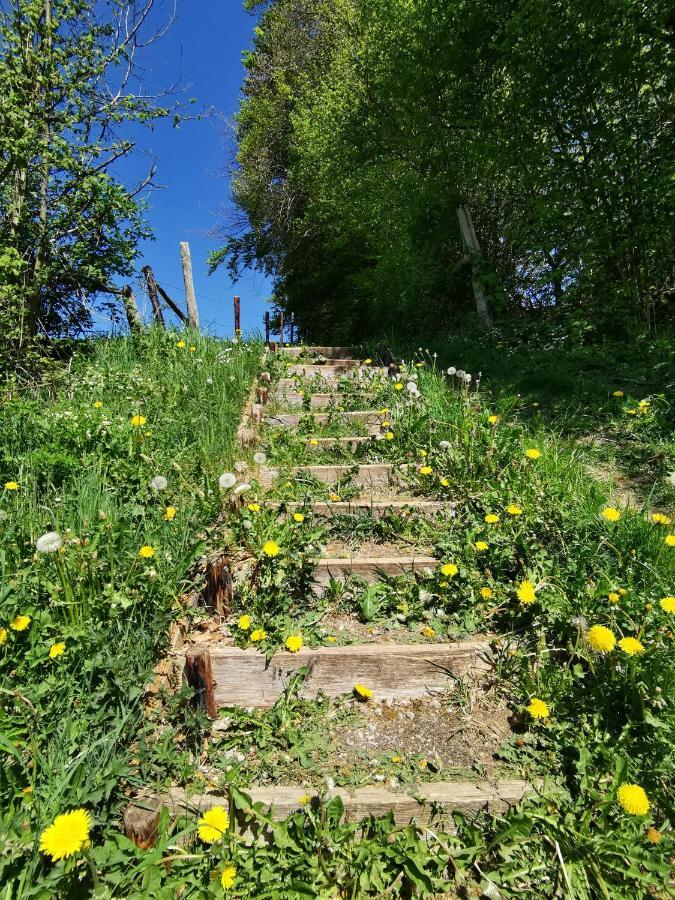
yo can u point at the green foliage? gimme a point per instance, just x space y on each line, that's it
366 124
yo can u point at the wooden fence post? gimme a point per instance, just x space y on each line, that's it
131 309
237 316
267 327
172 306
190 298
281 329
154 298
290 339
472 245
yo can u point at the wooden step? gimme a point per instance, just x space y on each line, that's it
367 477
328 352
440 798
345 367
292 420
231 676
316 401
371 568
379 508
346 442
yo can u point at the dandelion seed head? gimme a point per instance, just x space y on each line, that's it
49 543
227 480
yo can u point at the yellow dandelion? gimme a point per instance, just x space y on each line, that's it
514 510
610 514
481 546
493 420
299 518
631 412
660 519
180 344
314 442
138 421
667 604
367 362
362 692
294 643
652 835
3 636
526 593
193 349
538 709
67 835
57 650
396 758
449 569
486 593
618 394
334 498
20 623
331 639
258 635
532 453
492 519
271 548
631 646
253 507
305 799
11 486
389 435
213 824
170 513
445 482
670 540
601 639
244 622
398 386
613 597
426 470
423 453
97 404
428 631
147 552
633 799
385 424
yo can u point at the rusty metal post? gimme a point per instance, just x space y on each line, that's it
237 316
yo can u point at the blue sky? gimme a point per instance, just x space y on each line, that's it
203 50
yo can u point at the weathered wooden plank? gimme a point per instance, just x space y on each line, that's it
369 567
379 508
366 476
441 798
392 671
292 420
316 401
333 371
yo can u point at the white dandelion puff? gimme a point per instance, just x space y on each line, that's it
260 458
452 370
227 480
49 543
460 373
444 445
159 483
467 378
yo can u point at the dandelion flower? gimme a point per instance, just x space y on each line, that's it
271 548
667 604
538 709
660 519
258 635
159 483
20 623
670 540
313 443
398 386
260 458
299 518
227 480
610 514
228 877
514 510
600 639
631 646
253 507
3 636
244 622
57 650
426 470
532 453
11 486
653 836
389 435
367 362
491 519
486 593
444 482
67 835
613 597
423 453
494 420
526 593
362 692
428 631
481 546
97 404
294 643
451 370
618 394
181 345
147 552
49 543
138 421
633 799
334 498
170 513
449 569
213 824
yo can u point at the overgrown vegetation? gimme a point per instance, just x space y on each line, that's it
366 124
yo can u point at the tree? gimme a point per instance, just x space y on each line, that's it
69 85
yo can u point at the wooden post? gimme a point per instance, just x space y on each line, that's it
199 675
281 329
267 327
154 298
131 309
290 339
237 316
472 245
191 300
169 302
